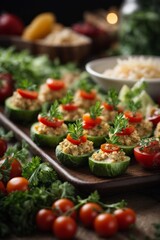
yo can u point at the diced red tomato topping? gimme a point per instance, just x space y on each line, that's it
89 123
108 147
76 141
88 95
27 94
50 123
69 107
54 84
127 131
108 106
133 117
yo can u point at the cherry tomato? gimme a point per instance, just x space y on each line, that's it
17 184
3 147
64 227
106 225
89 123
45 219
125 217
88 95
16 167
108 147
63 205
27 94
127 131
155 118
2 188
6 86
50 123
55 84
10 24
69 107
76 141
133 117
88 213
148 157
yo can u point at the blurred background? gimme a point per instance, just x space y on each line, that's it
67 12
116 27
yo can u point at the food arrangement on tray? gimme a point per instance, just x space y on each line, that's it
106 129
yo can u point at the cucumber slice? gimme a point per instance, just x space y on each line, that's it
104 169
122 93
127 149
70 160
20 115
97 140
45 140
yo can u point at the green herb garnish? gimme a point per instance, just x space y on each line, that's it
76 129
68 98
95 110
112 98
26 84
85 85
53 112
133 106
120 123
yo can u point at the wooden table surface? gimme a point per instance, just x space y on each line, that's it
146 203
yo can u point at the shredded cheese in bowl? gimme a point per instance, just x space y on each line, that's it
135 68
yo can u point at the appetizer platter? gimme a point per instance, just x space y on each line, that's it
69 143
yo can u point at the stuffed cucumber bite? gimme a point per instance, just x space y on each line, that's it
75 149
23 106
108 161
70 110
94 125
50 128
123 134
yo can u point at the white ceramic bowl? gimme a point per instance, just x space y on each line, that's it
96 68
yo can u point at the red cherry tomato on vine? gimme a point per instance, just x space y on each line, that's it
15 167
106 225
63 205
2 187
126 217
45 219
88 213
17 184
10 24
64 227
6 86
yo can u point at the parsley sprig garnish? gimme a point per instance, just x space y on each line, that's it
120 123
53 112
68 98
26 84
85 85
112 98
133 106
95 110
76 129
